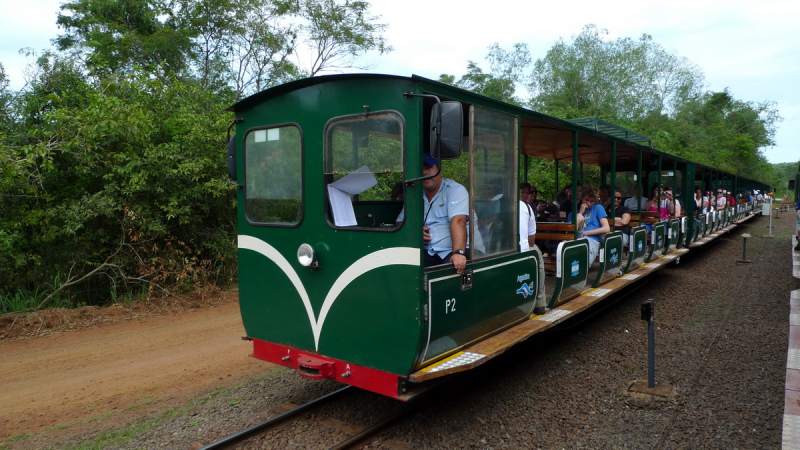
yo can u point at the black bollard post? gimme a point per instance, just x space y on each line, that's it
744 249
648 312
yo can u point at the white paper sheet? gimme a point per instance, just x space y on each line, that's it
339 194
343 214
356 182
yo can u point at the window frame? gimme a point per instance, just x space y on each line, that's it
473 177
327 213
302 175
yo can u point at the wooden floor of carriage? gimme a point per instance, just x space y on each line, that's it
791 409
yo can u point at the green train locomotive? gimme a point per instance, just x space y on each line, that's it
332 286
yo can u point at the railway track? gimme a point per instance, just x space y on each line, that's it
357 440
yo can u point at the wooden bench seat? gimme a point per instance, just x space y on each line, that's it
555 231
646 217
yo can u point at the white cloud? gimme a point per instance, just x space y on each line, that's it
750 47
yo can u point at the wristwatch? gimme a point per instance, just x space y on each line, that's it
460 252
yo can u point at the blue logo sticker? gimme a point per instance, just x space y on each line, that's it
640 245
660 240
614 257
575 268
525 290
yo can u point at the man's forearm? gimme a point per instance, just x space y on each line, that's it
458 232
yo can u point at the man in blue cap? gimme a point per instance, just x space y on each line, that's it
444 230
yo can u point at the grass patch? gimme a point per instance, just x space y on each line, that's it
133 407
220 391
100 417
22 301
119 436
19 437
632 370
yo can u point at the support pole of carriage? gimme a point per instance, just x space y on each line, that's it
613 188
575 198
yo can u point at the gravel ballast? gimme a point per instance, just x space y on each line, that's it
721 343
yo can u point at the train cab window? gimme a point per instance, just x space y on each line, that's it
493 152
273 176
363 166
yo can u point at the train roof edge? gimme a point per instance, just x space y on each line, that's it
608 130
302 83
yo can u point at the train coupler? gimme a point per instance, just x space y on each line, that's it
314 368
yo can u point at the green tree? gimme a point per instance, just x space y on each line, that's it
244 45
507 70
337 33
114 187
616 80
717 130
119 36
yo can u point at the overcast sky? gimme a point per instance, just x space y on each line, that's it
751 48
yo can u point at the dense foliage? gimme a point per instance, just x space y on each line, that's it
112 156
636 84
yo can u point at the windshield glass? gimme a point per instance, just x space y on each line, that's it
370 150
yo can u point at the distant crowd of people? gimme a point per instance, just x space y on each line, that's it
445 232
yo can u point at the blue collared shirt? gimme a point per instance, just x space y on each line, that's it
451 200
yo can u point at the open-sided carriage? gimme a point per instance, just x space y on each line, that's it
331 287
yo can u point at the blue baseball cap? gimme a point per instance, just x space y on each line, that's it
429 160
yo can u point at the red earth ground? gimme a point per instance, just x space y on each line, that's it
61 370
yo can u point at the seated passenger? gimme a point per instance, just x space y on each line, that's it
592 219
700 202
721 200
670 205
565 207
652 204
604 195
710 202
561 197
622 218
444 230
527 241
529 194
632 202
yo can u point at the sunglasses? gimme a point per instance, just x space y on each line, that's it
618 198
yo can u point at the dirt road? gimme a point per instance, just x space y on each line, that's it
119 371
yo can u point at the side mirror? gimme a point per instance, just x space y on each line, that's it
232 159
447 130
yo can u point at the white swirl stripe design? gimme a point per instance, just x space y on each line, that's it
386 257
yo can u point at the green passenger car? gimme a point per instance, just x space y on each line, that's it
363 310
333 286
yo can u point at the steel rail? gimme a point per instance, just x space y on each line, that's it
240 436
364 436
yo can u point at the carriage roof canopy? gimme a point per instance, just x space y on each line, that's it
612 129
